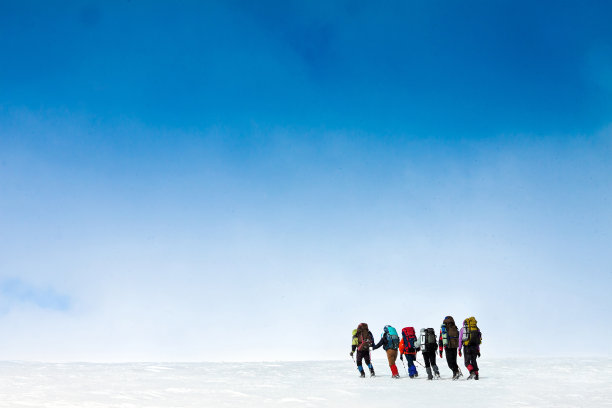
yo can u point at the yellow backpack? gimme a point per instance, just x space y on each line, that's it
355 339
471 332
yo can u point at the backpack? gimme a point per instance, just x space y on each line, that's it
471 332
409 339
428 340
450 333
355 339
392 338
363 337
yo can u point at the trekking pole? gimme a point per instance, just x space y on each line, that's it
419 362
404 366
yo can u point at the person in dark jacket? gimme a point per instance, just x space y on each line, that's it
449 342
364 339
390 343
427 343
471 346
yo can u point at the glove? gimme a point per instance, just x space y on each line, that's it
440 354
479 354
351 354
459 352
402 357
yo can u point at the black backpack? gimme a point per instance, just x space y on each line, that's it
430 340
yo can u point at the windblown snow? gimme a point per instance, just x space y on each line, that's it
503 383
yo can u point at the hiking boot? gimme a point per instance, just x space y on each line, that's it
372 374
362 375
436 371
476 375
394 372
472 374
429 374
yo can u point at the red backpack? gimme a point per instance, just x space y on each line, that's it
409 339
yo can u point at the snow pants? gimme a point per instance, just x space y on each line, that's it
470 354
451 359
410 358
430 358
363 355
392 357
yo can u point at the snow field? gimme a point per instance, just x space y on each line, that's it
503 383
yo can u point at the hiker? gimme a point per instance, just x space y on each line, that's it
390 343
408 348
449 341
364 339
427 343
470 338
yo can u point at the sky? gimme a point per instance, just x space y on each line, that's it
247 181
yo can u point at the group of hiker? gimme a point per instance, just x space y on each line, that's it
451 340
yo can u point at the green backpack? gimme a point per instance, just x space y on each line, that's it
392 338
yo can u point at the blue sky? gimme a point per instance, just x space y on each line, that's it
174 176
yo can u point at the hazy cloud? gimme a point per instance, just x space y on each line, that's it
15 291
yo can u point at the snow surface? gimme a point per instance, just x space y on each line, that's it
503 383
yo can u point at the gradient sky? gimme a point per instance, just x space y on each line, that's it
250 180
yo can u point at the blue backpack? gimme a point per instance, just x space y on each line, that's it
392 338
